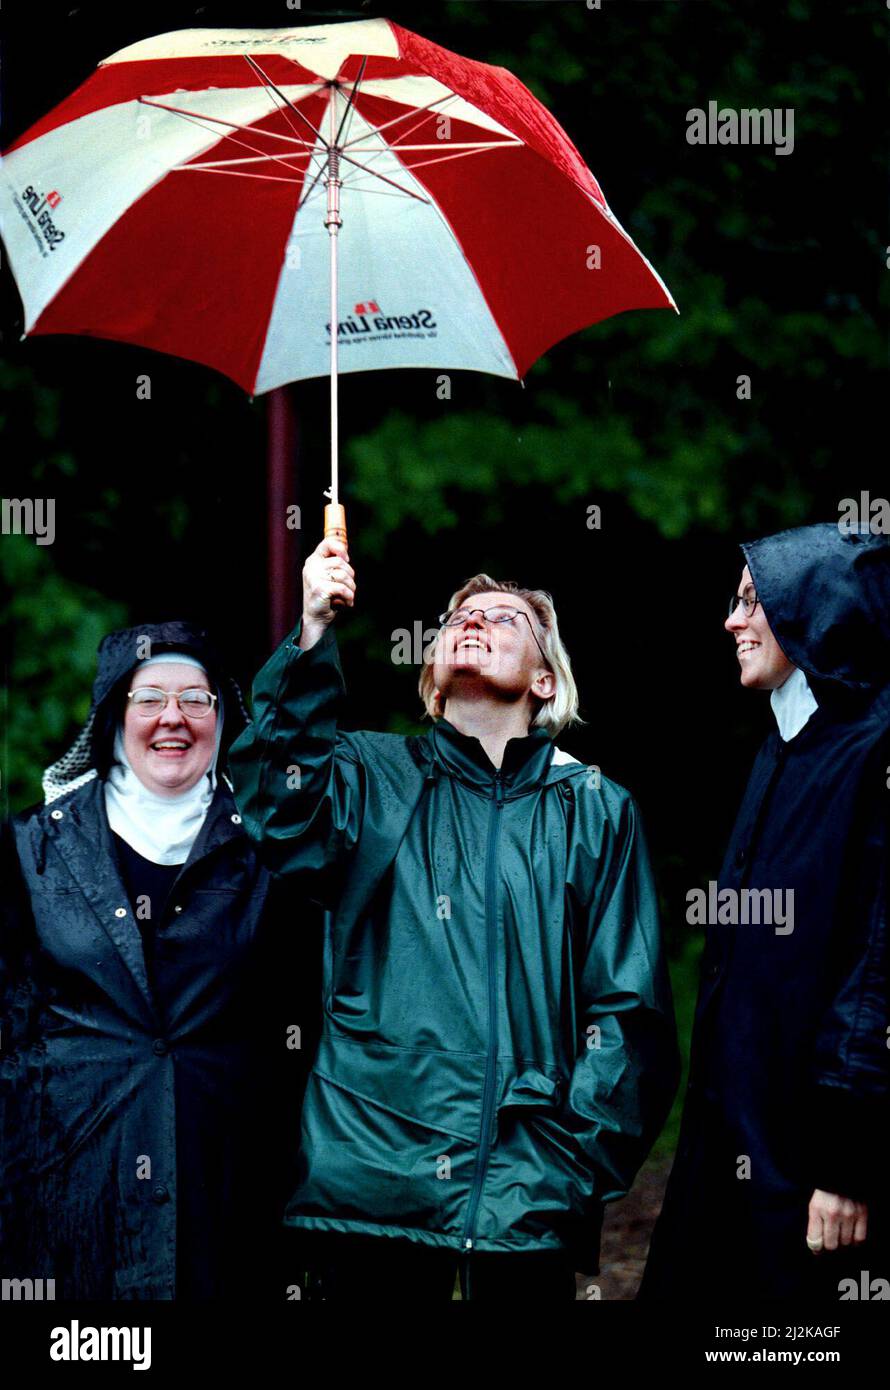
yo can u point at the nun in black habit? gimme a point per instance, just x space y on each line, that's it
152 979
779 1186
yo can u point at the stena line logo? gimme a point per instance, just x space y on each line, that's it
370 323
39 209
265 38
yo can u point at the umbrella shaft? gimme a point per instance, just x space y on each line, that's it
333 228
333 221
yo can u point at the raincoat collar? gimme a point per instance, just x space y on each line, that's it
525 765
793 704
83 836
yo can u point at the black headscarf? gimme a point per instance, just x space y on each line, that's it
826 596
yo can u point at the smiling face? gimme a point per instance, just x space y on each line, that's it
492 659
763 664
169 753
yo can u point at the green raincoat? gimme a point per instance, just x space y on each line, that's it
498 1049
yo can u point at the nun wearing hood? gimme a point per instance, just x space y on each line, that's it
779 1187
151 1089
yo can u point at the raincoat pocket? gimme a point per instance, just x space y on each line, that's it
532 1089
533 1101
367 1162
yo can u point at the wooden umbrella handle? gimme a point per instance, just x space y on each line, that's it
335 529
335 522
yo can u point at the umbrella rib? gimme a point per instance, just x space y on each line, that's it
352 186
313 192
373 172
270 84
446 145
414 111
318 173
199 116
403 135
366 188
350 104
244 159
261 154
235 173
386 146
276 107
462 154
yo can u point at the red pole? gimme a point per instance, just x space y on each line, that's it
283 534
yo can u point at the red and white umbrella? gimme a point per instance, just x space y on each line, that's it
190 195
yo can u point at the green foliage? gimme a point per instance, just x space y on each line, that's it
58 626
51 624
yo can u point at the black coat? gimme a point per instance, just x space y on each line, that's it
148 1151
789 1064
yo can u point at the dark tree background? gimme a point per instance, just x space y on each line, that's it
779 267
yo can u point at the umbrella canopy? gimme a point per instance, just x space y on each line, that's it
179 199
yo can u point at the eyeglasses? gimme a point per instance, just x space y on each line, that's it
748 600
150 700
498 613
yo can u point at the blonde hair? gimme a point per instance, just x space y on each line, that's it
561 709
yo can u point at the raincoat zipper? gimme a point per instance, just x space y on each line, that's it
491 1062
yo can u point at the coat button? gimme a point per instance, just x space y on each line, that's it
57 815
159 1194
177 908
713 971
236 820
120 912
159 1047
